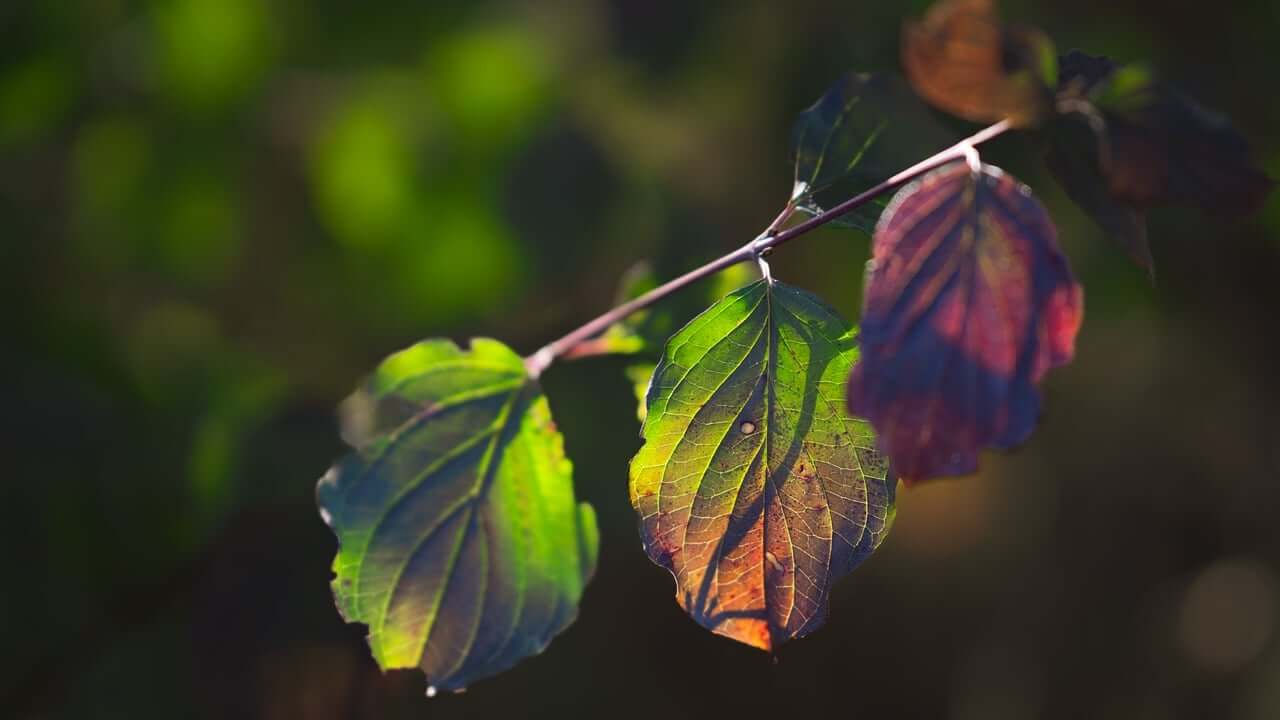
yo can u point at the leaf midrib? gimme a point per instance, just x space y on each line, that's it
455 401
483 477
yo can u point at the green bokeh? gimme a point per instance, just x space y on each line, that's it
211 52
492 82
34 98
364 165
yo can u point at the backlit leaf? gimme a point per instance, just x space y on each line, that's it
963 60
866 127
460 543
754 487
722 283
630 336
639 332
968 304
639 376
730 279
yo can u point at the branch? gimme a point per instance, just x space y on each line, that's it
766 241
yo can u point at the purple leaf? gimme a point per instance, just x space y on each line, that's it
969 303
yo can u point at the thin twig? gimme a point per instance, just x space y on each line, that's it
951 154
772 237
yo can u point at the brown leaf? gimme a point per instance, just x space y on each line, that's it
963 60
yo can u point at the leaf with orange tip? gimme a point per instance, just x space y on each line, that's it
969 302
754 486
963 60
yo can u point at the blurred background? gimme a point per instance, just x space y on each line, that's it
216 216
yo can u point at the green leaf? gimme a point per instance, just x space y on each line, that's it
639 376
732 278
866 127
638 332
631 335
621 339
754 487
460 543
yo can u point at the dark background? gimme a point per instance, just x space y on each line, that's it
217 215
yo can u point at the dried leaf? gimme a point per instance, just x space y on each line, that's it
963 60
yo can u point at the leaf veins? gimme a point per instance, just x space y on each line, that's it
460 543
754 487
968 304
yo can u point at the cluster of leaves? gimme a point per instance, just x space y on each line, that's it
774 431
1118 139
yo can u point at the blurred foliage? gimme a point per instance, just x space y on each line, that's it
219 214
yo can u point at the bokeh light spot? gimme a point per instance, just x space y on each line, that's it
491 82
1228 615
211 51
362 171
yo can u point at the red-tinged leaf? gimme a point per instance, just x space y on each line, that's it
1158 146
1073 158
1075 155
969 302
754 487
1125 142
963 60
1166 149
